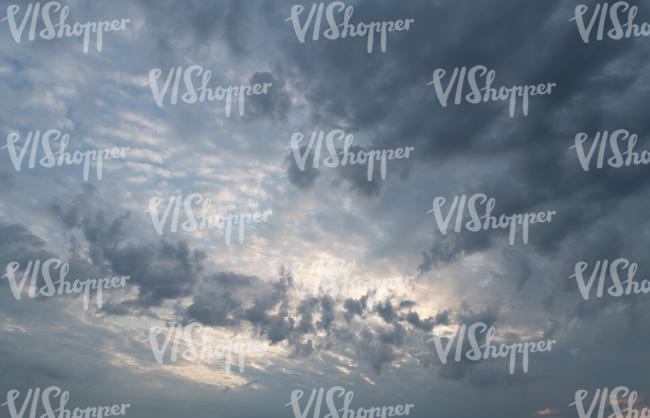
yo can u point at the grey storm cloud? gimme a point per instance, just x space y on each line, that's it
20 245
538 143
376 345
168 271
351 177
275 105
301 177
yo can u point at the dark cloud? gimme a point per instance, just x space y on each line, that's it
354 307
423 324
18 244
275 104
386 311
302 178
383 98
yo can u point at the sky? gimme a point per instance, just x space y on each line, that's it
406 280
